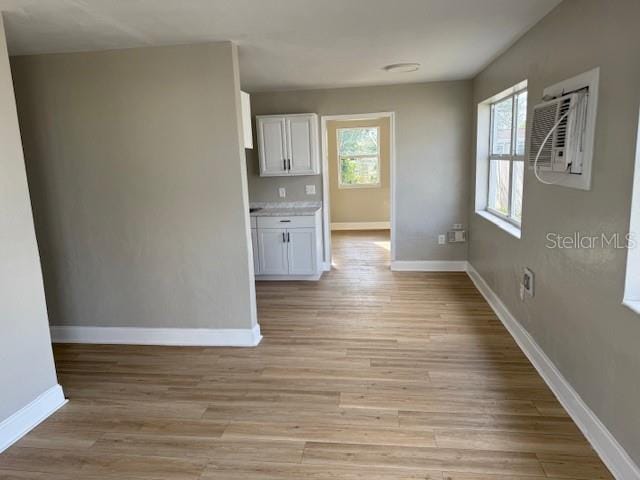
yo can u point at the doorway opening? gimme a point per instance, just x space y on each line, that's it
359 188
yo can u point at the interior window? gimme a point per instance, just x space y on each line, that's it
358 157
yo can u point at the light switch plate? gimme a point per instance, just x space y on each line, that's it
282 192
310 189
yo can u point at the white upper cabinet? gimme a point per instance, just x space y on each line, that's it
303 142
272 141
288 144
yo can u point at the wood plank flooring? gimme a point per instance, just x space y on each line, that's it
367 374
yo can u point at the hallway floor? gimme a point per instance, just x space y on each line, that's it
367 374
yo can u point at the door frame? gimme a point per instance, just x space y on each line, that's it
326 199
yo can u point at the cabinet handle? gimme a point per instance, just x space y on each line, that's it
289 162
288 238
284 240
285 221
284 163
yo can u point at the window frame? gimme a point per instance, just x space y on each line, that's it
511 157
339 159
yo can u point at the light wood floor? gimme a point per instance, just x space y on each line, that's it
367 374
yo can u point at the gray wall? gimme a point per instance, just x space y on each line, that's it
433 131
576 315
26 360
138 177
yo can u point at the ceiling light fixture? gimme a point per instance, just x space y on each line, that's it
402 67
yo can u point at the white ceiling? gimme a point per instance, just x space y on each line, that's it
290 44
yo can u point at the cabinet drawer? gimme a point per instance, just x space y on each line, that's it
287 222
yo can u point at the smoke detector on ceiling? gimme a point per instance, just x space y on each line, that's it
402 67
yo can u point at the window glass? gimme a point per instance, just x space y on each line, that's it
521 122
499 186
359 171
516 190
501 126
358 141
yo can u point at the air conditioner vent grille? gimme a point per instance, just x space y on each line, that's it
561 132
544 118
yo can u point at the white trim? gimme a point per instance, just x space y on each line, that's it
632 305
590 79
326 213
604 443
30 416
361 226
205 337
501 223
289 278
518 87
359 186
429 266
631 296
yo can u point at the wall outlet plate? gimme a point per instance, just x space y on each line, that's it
528 281
457 226
310 189
442 239
456 236
282 192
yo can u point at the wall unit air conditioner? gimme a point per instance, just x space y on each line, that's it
560 150
562 132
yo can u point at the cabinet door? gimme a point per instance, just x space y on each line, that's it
256 253
272 149
302 251
272 247
302 132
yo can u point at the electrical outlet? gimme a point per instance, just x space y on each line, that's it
282 192
527 283
457 226
310 189
442 239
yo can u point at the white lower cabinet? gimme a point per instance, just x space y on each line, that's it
272 245
288 247
301 251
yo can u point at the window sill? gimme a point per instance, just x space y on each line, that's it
633 305
510 228
356 186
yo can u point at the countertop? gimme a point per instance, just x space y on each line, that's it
285 212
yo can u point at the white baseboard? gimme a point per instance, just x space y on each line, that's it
429 266
360 226
27 418
289 278
611 452
202 337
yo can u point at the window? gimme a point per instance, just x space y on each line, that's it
506 156
358 157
